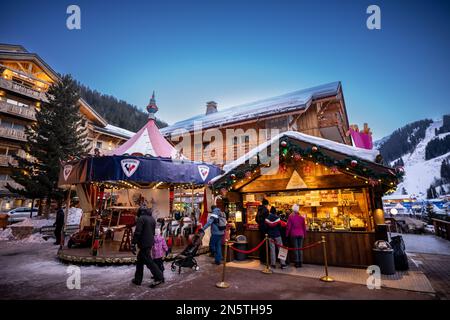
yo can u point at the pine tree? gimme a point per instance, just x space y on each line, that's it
53 138
445 171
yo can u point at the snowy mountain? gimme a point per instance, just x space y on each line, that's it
410 146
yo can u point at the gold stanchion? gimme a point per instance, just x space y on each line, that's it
223 284
267 269
326 277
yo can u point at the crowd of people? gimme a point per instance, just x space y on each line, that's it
288 231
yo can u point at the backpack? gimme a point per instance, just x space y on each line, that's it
222 222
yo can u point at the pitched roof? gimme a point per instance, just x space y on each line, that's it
147 141
297 100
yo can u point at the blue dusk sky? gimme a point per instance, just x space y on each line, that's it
234 52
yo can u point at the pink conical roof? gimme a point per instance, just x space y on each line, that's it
148 140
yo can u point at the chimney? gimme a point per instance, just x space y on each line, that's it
211 107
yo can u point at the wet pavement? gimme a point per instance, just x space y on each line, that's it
32 271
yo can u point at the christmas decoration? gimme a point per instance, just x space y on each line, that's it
248 174
354 163
297 157
314 149
283 144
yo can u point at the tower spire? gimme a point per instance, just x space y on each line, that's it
152 108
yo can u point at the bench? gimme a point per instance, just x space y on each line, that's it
49 231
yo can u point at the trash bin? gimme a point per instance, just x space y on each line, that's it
240 244
400 257
384 257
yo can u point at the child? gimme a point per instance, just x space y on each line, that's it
159 250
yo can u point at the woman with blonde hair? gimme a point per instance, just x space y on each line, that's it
296 232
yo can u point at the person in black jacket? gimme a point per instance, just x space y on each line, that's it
59 224
143 237
263 213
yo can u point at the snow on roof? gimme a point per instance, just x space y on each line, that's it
119 131
284 103
364 154
398 197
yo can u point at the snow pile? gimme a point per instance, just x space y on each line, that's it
421 173
6 234
25 223
39 223
34 238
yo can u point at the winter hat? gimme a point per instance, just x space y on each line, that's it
295 208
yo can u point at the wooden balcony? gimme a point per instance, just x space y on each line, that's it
24 90
24 112
6 160
13 134
13 184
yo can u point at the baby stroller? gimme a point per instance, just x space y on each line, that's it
186 258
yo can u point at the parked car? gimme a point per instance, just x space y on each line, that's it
21 213
429 228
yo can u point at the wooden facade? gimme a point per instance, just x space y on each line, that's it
325 117
24 79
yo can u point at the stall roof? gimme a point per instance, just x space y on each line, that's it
363 154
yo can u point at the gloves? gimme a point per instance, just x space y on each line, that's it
133 249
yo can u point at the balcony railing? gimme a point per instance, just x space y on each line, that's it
17 87
13 134
28 113
13 184
6 160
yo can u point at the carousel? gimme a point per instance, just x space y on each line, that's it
146 170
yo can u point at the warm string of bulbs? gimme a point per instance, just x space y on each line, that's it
351 166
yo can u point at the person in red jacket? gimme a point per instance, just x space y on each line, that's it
296 232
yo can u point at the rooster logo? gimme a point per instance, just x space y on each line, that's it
67 170
129 166
204 171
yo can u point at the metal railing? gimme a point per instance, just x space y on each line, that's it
6 160
25 112
17 87
13 134
13 184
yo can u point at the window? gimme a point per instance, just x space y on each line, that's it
99 145
235 148
246 141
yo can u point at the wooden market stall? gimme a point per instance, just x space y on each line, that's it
338 188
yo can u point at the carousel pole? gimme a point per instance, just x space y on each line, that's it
66 213
193 210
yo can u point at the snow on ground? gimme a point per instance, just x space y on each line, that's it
419 174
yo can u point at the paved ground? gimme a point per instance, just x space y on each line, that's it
31 271
425 243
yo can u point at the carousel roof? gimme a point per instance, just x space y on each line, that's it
148 140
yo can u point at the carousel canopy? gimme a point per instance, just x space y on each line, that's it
148 140
144 160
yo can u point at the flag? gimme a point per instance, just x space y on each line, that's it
204 215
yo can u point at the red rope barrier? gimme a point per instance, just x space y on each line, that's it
297 249
248 251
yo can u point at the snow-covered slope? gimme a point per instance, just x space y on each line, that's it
421 173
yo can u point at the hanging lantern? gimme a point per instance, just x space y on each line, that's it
354 163
282 168
314 149
373 182
307 169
